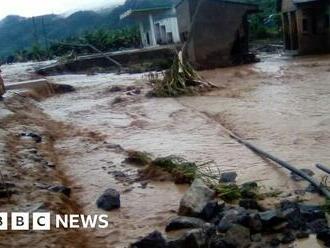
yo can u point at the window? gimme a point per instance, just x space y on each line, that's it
305 25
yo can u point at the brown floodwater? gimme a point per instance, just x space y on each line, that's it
280 104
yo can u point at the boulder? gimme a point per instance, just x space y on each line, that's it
288 237
271 218
211 209
154 240
311 212
231 217
195 199
324 236
228 177
109 200
195 238
182 222
250 204
238 236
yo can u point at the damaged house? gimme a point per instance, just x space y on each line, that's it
158 26
306 25
215 31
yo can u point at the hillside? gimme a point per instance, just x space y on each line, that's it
17 32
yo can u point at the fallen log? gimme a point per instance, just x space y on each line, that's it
322 188
324 168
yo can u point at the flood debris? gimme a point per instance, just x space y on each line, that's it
138 158
181 79
41 92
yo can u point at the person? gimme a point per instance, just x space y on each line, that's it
2 86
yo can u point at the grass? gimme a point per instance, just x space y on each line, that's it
181 170
227 192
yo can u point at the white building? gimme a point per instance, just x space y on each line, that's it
158 26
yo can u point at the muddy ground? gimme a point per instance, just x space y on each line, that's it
280 104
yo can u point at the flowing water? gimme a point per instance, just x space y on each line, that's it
280 104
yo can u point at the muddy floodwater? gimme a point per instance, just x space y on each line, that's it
280 104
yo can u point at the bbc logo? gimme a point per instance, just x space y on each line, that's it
21 221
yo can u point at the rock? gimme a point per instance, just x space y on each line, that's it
217 241
311 189
109 200
211 209
271 218
60 189
287 237
249 204
114 89
254 223
119 174
63 88
228 177
154 240
317 226
231 217
275 242
256 237
37 138
297 178
195 199
302 235
311 212
294 218
324 236
238 236
195 238
182 222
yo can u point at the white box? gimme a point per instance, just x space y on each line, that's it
41 221
20 221
3 221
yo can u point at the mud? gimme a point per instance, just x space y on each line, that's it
279 104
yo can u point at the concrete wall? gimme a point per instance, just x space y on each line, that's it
316 39
214 32
164 22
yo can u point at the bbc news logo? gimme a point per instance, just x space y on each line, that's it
44 221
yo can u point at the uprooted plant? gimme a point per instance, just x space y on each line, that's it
181 79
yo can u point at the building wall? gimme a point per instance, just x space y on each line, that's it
215 31
165 25
313 31
287 5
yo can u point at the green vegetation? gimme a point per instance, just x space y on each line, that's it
182 170
267 23
103 39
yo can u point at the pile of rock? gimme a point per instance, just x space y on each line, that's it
206 222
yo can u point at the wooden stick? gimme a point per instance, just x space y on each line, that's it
284 164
